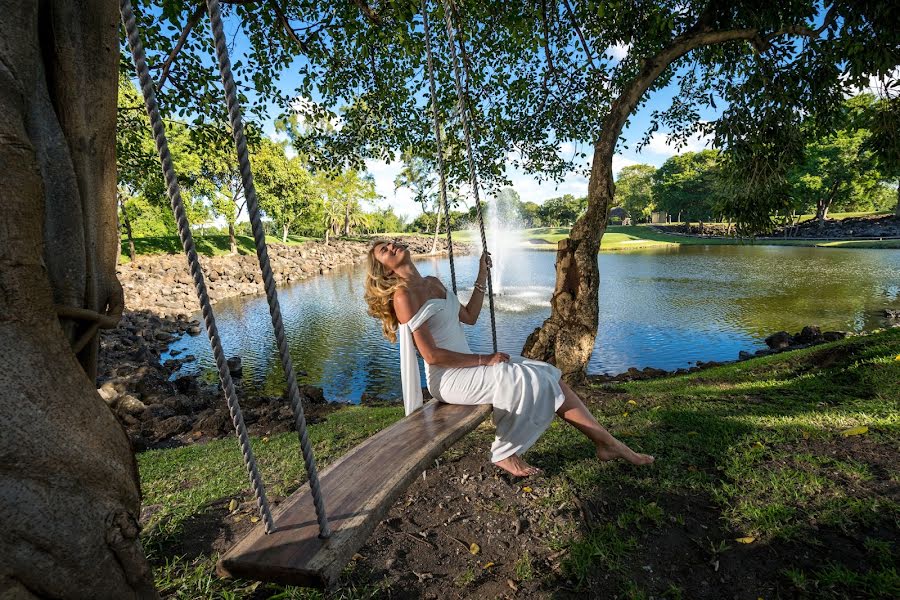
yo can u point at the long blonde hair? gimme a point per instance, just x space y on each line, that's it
380 288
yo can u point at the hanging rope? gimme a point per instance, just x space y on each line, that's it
187 242
437 141
259 238
473 175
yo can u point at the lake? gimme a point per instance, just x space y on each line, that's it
659 308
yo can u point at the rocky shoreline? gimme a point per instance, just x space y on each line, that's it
159 299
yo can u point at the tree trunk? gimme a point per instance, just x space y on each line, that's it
284 234
897 208
126 222
567 337
822 212
437 232
232 240
327 232
347 220
69 484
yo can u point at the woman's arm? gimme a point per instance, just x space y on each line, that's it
468 314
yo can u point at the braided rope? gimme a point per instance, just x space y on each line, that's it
437 140
187 242
259 238
473 175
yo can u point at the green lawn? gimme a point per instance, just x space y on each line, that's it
753 460
635 237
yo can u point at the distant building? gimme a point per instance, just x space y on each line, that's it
659 217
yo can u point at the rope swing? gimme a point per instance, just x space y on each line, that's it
184 232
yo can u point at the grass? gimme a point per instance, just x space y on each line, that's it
207 245
635 237
750 453
760 442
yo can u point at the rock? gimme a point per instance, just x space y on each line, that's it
214 422
157 412
808 335
744 355
109 393
314 395
172 426
130 405
193 330
180 404
892 313
779 340
236 366
764 352
833 336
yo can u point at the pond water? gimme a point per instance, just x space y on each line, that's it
659 308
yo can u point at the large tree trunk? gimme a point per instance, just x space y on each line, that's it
897 208
566 338
68 482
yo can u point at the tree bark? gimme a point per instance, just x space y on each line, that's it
284 234
232 239
68 482
126 222
897 208
567 337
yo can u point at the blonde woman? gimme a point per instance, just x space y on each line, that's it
525 393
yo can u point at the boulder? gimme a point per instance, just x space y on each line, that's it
810 334
833 336
236 366
214 422
130 405
892 313
779 340
313 394
744 355
172 426
109 393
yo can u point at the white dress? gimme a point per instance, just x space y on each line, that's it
525 393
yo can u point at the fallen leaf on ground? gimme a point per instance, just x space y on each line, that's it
232 506
512 585
631 402
805 435
488 565
746 540
474 548
254 519
855 431
526 489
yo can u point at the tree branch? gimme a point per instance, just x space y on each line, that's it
287 27
167 65
368 12
547 54
584 44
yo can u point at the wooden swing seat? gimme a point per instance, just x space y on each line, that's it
358 488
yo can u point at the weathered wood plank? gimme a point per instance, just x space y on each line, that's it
358 490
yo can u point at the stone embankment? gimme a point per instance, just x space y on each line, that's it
157 411
162 284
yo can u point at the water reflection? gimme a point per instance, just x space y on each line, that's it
665 309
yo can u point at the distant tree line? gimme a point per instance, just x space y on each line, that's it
844 170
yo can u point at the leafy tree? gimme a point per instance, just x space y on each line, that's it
562 211
385 220
531 214
346 194
686 185
287 191
634 191
882 119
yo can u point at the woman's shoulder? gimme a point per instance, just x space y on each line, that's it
405 305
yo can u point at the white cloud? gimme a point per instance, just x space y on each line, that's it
618 51
400 200
661 145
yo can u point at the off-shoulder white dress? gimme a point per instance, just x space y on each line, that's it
525 393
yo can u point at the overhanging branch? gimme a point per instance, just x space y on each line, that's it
170 59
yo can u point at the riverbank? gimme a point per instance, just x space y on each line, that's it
775 477
159 299
639 237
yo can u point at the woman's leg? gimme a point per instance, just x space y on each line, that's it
575 413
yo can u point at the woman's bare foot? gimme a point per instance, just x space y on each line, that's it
514 465
617 449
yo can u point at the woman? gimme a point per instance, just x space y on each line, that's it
525 393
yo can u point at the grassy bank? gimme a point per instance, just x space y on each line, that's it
635 237
207 245
765 485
